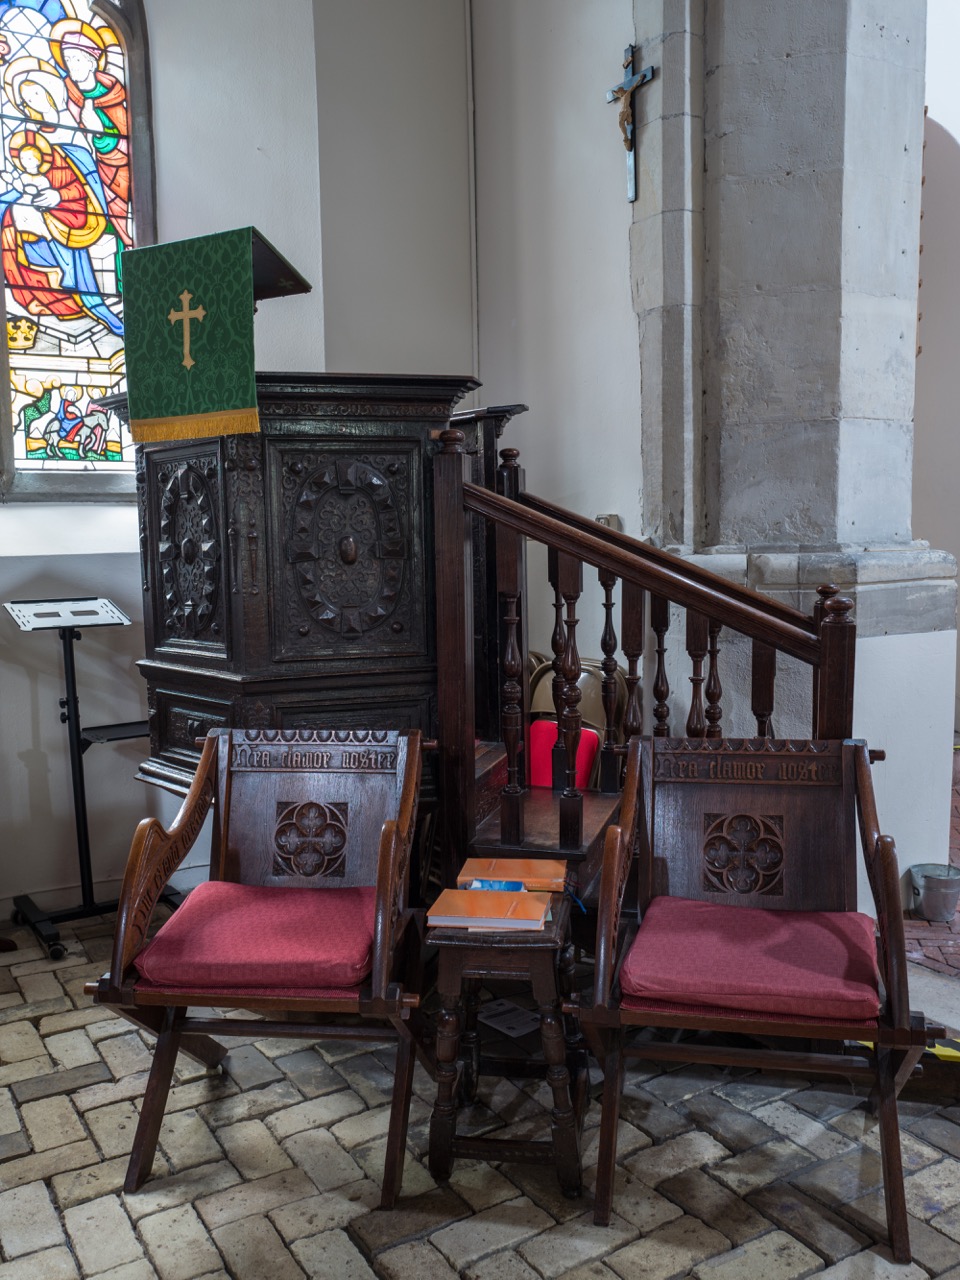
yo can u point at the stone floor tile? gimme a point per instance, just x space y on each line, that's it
414 1218
57 1022
371 1158
101 1234
113 1127
865 1129
251 1104
52 1264
676 1155
648 1113
574 1243
199 1092
948 1223
139 1270
253 1250
417 1261
322 1158
367 1075
125 1054
178 1244
108 1027
327 1211
28 1221
185 1140
629 1141
334 1254
940 1133
14 1013
367 1126
933 1249
762 1165
875 1264
684 1082
933 1189
20 1041
52 1122
753 1091
481 1185
11 999
248 1067
539 1183
252 1149
839 1181
251 1199
61 1081
671 1250
735 1129
506 1266
803 1129
775 1256
309 1072
317 1113
705 1198
161 1192
13 1145
45 1164
640 1205
9 1120
811 1223
826 1101
25 1069
505 1226
102 1095
39 986
71 1049
104 1178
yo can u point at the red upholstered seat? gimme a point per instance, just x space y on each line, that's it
812 964
239 937
543 734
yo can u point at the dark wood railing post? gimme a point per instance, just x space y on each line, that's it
609 760
455 675
632 609
763 682
660 622
558 762
697 642
509 482
511 712
570 579
833 708
713 688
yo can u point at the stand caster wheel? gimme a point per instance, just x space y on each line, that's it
17 917
58 951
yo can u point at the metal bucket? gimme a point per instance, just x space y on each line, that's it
936 890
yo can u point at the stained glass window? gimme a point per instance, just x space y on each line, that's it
65 216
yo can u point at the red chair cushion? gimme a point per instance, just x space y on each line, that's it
543 734
811 964
239 937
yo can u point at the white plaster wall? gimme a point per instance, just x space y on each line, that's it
396 185
235 124
557 327
936 512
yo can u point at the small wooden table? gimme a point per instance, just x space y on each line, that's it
467 960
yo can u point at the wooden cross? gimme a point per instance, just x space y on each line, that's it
623 93
185 316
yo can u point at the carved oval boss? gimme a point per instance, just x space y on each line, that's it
347 546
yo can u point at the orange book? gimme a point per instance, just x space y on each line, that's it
546 874
488 909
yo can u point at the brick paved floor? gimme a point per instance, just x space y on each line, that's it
933 945
269 1170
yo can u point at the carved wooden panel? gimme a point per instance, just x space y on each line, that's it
310 839
349 561
743 853
189 605
243 463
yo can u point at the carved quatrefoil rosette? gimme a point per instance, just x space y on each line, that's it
743 853
310 839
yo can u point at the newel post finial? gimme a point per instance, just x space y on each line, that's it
452 439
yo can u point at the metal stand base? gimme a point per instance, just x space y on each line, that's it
44 923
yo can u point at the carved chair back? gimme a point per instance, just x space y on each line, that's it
750 822
305 807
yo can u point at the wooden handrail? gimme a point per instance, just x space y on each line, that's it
694 588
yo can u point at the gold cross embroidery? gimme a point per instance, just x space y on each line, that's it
186 315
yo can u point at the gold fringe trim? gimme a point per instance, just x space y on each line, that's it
195 426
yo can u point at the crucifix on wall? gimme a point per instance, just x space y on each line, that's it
623 93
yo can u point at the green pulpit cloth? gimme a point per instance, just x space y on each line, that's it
188 332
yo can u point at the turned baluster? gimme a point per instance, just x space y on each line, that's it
609 761
570 578
660 622
713 689
509 483
557 642
632 608
511 715
697 641
764 675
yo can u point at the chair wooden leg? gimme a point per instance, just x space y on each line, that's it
154 1100
890 1157
609 1123
399 1118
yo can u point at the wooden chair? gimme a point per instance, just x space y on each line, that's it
746 924
304 918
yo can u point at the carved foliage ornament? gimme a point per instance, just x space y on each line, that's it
310 839
743 853
188 551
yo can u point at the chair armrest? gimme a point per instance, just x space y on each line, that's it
618 847
393 873
154 856
880 857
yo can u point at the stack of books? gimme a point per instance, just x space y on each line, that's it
546 875
500 894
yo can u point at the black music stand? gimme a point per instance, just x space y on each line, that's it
63 616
